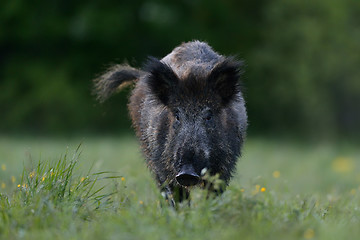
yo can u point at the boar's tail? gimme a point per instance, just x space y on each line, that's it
115 78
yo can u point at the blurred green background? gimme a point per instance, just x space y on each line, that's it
302 75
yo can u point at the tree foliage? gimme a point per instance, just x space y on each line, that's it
302 59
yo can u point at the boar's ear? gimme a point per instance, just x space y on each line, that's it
162 80
224 79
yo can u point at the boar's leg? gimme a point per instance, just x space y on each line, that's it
174 194
180 194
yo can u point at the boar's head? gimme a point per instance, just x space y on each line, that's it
206 119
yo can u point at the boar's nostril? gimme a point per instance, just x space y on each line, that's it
187 176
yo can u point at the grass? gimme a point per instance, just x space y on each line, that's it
282 190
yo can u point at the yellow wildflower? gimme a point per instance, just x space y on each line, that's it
3 167
13 179
82 179
276 174
3 185
343 165
122 179
43 178
242 190
18 185
141 202
32 174
263 189
309 233
353 191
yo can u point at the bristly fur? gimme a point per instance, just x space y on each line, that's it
114 79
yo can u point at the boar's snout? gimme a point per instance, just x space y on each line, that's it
187 176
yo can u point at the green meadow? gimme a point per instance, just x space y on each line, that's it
298 178
100 188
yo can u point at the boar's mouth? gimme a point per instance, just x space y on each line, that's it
187 176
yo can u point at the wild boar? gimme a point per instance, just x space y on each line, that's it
188 113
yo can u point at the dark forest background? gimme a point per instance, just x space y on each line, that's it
302 74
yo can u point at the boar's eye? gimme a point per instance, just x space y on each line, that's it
208 115
177 116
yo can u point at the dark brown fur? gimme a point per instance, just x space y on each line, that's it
187 109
